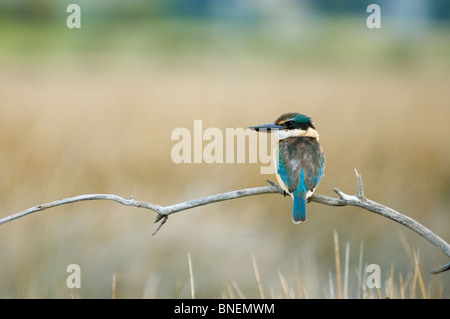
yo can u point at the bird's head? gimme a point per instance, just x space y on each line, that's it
289 125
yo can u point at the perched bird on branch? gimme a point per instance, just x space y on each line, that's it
299 159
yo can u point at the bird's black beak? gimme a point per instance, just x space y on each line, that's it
266 127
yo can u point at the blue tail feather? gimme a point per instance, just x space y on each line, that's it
299 211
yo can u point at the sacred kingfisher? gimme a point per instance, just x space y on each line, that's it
299 159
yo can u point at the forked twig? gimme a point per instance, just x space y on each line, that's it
163 212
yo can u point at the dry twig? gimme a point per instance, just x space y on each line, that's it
163 212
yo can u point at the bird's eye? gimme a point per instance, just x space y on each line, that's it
289 123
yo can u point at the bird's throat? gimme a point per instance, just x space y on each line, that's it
310 132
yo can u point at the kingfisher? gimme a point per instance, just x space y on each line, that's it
298 158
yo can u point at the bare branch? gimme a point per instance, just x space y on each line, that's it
59 202
360 200
163 212
217 198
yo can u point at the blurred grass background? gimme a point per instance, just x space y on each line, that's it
92 111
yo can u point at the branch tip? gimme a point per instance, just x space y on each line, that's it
340 193
360 186
441 269
164 219
270 182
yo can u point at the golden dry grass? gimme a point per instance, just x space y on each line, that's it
95 127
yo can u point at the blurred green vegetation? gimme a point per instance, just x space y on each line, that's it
33 28
92 111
